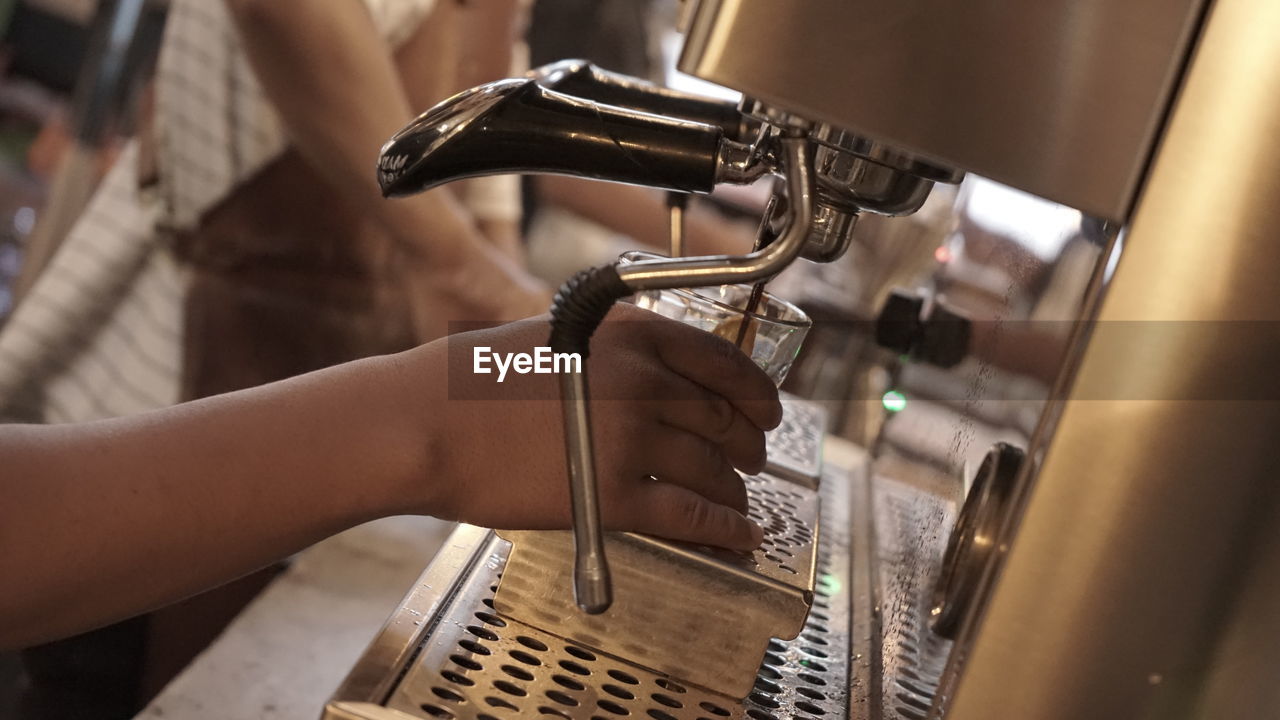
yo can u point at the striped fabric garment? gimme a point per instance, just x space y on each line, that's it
100 333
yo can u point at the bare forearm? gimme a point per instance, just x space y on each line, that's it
198 494
105 520
340 116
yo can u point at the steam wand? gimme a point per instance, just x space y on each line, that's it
581 305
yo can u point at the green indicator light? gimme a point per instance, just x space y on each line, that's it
832 583
894 401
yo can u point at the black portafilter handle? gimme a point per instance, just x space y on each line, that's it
586 80
519 126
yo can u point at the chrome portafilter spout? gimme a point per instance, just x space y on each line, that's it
856 175
528 126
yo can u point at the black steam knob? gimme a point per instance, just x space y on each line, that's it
941 337
944 339
899 326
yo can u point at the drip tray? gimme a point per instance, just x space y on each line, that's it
447 653
865 651
669 597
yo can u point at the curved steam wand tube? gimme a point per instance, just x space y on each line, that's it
581 305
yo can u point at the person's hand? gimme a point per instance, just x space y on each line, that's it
674 411
492 292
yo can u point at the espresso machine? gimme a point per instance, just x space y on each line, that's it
1056 516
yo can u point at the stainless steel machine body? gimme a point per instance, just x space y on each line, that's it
1136 542
1124 338
1061 98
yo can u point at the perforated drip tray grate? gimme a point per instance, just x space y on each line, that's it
795 446
669 597
865 651
467 662
911 529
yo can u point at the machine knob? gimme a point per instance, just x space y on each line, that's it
941 338
944 336
899 324
973 541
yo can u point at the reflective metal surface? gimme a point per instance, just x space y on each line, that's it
1144 542
864 652
906 658
973 539
374 676
831 233
592 587
795 446
581 78
1061 98
440 126
768 592
797 165
519 126
838 138
855 183
1240 681
669 597
1023 270
858 175
467 662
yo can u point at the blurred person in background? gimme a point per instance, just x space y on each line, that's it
241 239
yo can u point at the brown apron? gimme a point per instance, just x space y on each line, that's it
286 278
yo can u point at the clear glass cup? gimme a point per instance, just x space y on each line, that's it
773 332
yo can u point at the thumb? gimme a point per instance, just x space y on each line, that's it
677 513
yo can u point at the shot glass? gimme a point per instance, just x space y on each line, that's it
771 334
